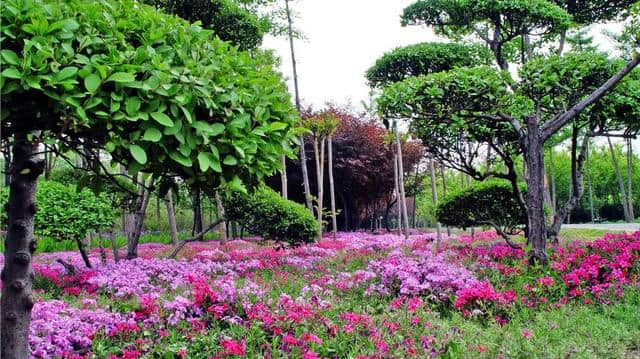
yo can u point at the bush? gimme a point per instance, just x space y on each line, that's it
66 214
266 213
483 204
121 192
612 212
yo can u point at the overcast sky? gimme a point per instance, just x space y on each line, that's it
343 39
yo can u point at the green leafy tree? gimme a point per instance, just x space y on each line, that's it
161 96
483 106
506 26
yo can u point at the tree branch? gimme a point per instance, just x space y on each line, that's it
197 237
551 127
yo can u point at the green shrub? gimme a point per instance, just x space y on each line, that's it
121 192
267 214
486 203
66 214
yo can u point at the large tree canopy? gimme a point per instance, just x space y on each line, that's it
422 59
586 12
160 95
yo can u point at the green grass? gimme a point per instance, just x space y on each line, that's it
573 331
48 245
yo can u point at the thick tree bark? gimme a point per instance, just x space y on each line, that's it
171 215
403 198
434 196
623 192
283 177
534 157
334 220
141 208
17 274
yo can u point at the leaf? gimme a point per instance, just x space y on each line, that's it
229 160
277 126
162 119
132 105
92 82
138 154
11 73
216 129
122 77
10 57
66 73
203 160
152 134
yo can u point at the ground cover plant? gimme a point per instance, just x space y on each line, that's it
360 295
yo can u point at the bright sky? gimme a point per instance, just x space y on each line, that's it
343 39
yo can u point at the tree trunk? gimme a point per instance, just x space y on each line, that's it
534 158
552 182
589 184
83 251
401 184
171 215
197 211
577 164
630 179
334 220
415 194
320 188
434 195
397 191
303 155
17 274
444 190
283 177
114 247
222 229
141 208
623 192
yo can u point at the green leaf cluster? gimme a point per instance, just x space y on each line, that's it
423 59
64 213
266 213
162 96
482 204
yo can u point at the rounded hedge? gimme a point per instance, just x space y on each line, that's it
65 213
267 214
487 203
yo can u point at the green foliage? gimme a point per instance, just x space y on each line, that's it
160 95
423 59
66 214
486 203
267 214
513 17
227 19
588 12
121 192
